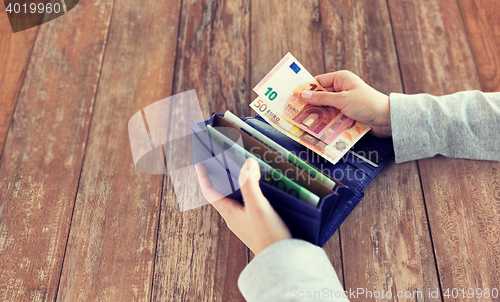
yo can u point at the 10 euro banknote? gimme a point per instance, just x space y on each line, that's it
281 89
323 129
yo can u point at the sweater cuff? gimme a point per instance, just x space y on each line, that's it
289 270
410 127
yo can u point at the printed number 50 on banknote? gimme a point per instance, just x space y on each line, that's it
281 89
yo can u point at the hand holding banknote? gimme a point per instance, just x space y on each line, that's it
256 224
324 129
354 98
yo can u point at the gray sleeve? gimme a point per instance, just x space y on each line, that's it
291 270
461 125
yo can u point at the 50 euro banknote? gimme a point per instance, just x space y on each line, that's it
332 151
281 89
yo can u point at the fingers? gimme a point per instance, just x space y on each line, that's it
329 79
225 206
324 98
250 188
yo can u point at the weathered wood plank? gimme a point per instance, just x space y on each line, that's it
15 51
433 50
482 21
333 250
112 242
43 153
385 241
292 26
462 196
214 55
198 258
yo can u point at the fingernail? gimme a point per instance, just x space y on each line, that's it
253 165
253 169
307 94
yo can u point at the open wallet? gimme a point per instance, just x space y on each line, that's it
313 223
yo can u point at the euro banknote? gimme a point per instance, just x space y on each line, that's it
332 151
281 89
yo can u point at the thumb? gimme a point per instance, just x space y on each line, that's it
249 185
325 98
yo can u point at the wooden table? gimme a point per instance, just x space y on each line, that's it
79 223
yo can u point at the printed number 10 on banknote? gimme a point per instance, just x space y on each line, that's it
281 89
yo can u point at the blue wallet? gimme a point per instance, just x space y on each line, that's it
314 224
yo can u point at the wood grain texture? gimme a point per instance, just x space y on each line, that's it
462 196
386 244
198 258
43 153
15 51
357 36
463 202
385 241
433 49
213 54
112 242
333 250
482 20
292 26
295 27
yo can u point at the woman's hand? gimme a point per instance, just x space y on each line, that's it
354 98
256 223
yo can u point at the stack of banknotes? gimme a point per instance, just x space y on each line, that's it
284 173
323 129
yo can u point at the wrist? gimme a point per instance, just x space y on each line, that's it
382 125
386 114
